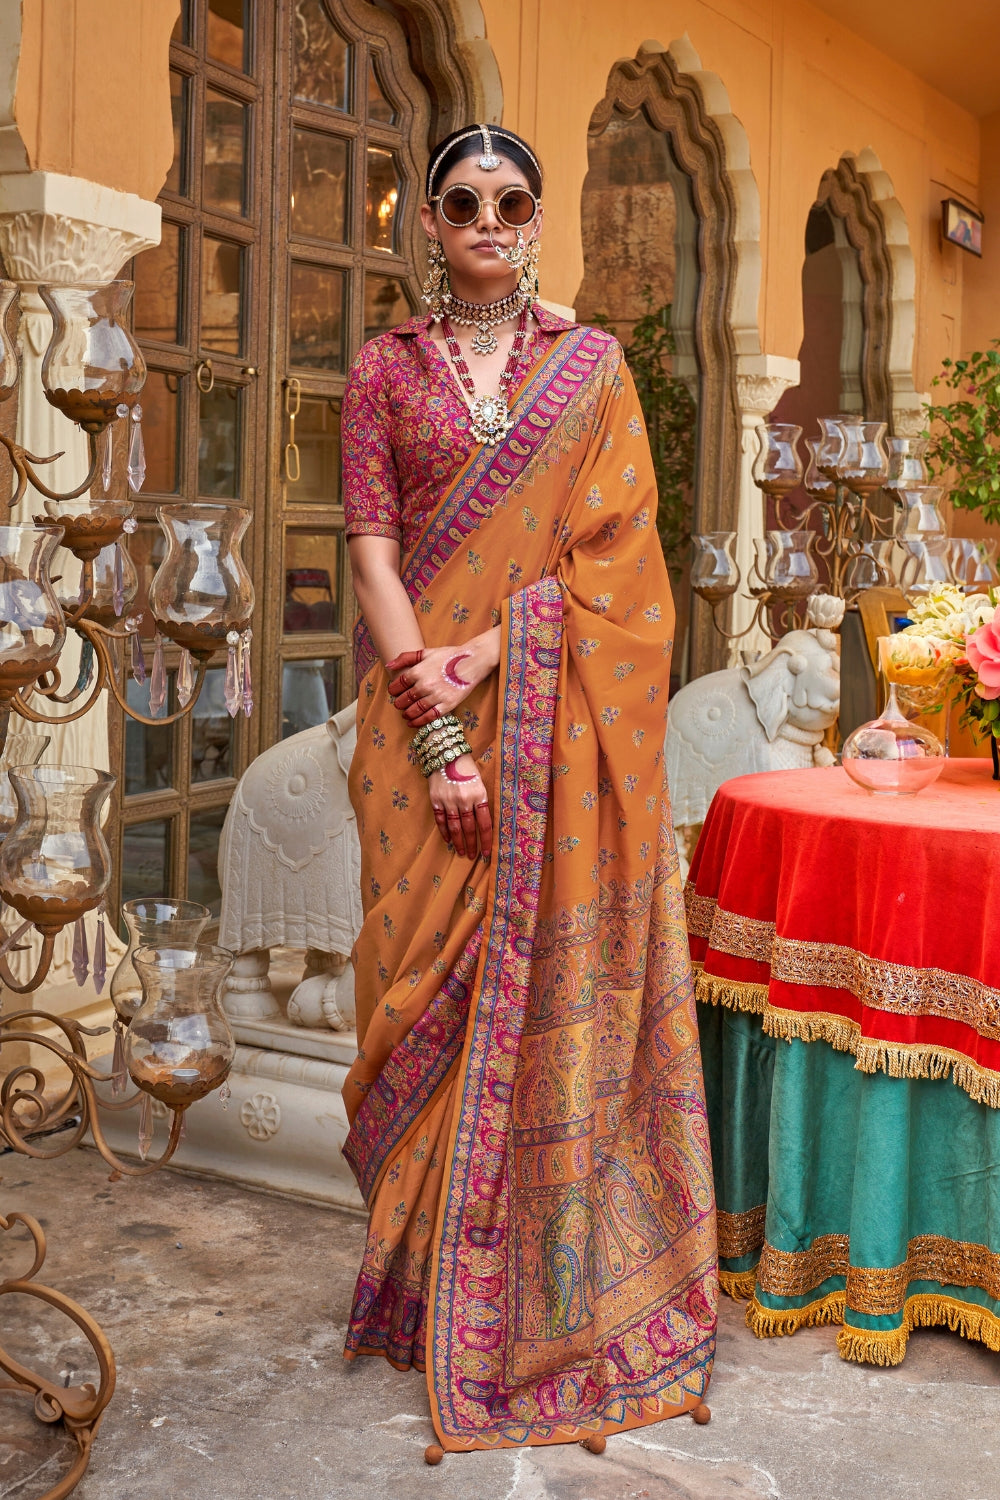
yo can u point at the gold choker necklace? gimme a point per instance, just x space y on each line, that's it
485 316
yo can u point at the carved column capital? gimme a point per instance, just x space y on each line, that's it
62 229
762 380
910 420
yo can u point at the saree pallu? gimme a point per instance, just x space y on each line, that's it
527 1111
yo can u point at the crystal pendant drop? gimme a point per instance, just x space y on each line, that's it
100 954
185 680
119 1073
136 452
247 679
225 1094
145 1126
138 660
233 694
118 582
158 679
86 667
81 952
109 452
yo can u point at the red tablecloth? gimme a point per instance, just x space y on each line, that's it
865 921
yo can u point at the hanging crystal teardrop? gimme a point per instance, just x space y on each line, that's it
109 453
119 1073
233 695
136 452
86 667
247 681
100 954
138 660
225 1094
118 582
145 1126
185 680
81 952
158 679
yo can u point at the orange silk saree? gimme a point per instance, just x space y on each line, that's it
527 1113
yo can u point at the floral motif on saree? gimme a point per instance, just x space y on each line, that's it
527 1112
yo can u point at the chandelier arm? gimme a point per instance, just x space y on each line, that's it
737 635
21 706
86 627
41 970
22 462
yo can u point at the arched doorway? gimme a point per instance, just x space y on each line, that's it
290 234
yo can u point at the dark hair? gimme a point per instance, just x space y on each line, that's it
468 142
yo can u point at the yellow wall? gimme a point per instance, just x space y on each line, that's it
805 90
92 98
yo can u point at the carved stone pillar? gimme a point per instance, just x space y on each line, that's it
761 381
63 229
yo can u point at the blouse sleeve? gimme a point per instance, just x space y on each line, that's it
370 481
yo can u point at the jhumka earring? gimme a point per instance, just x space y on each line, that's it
527 286
436 290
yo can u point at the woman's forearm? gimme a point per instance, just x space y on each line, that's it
381 596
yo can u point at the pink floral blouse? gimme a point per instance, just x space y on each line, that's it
405 427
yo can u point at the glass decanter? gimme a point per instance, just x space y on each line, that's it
92 364
202 591
54 862
179 1046
32 628
153 922
890 756
715 574
777 469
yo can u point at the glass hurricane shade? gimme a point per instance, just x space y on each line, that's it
153 922
102 604
10 368
974 563
179 1046
785 564
863 462
202 590
817 484
715 574
906 462
917 515
777 469
19 750
54 862
92 364
32 628
926 566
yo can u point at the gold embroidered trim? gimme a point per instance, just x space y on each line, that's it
794 1273
700 911
896 988
739 1285
879 1291
741 1234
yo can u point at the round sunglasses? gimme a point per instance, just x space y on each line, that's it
461 206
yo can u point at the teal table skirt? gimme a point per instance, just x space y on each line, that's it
848 1197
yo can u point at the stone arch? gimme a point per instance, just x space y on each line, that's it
676 95
450 54
860 195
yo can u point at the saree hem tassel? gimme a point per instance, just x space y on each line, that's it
739 1285
647 1412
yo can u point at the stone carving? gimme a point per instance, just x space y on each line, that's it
766 717
260 1116
55 247
290 868
760 394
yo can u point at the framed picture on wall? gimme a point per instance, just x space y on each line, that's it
962 225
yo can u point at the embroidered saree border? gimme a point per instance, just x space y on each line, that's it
895 990
549 389
877 1292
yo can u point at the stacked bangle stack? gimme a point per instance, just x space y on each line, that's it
437 744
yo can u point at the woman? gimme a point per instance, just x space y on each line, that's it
527 1115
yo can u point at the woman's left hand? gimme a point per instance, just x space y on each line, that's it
435 681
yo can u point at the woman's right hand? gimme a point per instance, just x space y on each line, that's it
461 809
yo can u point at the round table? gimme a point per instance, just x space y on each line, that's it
849 989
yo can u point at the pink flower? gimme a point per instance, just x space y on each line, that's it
983 651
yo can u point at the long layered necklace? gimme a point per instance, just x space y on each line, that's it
491 420
485 316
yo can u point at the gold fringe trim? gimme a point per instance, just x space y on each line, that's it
734 994
873 1054
740 1285
925 1310
773 1322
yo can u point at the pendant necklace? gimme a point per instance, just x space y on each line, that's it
491 420
485 316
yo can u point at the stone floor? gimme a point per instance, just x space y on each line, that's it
226 1312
